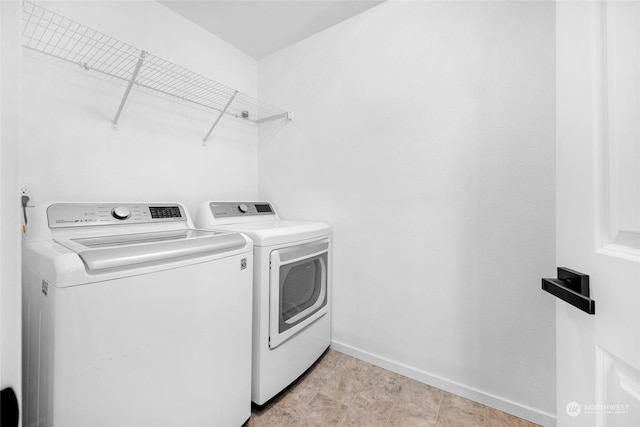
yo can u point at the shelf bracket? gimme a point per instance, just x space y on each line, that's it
285 115
224 110
114 123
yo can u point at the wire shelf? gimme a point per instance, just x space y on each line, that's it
53 34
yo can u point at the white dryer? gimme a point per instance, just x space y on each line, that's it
133 318
292 285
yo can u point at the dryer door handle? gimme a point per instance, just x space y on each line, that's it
299 252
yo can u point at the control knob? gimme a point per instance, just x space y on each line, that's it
243 208
120 212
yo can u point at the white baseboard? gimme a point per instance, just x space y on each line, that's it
488 399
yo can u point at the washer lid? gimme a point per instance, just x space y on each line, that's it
103 252
277 232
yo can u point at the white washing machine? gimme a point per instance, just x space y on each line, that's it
133 318
291 294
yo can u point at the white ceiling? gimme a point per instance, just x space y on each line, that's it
261 27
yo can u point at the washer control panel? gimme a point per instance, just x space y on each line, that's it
231 209
92 214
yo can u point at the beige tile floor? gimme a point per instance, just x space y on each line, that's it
340 390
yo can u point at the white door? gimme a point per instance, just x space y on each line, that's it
598 210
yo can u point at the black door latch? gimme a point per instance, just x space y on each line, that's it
572 287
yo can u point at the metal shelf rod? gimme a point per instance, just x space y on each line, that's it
224 110
129 86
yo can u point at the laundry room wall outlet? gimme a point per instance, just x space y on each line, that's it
28 189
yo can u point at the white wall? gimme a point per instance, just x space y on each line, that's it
424 133
69 150
10 294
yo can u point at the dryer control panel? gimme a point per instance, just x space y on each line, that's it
92 214
231 209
